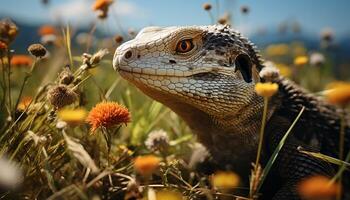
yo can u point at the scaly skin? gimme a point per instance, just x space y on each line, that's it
211 87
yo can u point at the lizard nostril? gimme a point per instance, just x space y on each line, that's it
128 54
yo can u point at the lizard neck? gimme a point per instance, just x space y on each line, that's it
231 139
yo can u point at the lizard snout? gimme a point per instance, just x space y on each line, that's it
122 57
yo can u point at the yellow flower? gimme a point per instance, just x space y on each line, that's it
107 115
169 195
284 69
224 180
71 116
301 60
317 187
339 93
277 50
266 89
146 165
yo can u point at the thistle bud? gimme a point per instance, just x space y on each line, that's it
37 50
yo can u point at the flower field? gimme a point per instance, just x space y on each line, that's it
73 128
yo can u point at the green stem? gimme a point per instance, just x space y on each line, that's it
18 147
9 80
341 154
211 17
342 135
261 136
275 153
28 75
341 169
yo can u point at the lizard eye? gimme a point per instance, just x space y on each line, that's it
184 46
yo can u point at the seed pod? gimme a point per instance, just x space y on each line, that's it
37 50
66 77
207 6
61 95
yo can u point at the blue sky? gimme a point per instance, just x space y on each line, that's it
312 15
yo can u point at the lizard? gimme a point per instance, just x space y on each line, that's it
206 75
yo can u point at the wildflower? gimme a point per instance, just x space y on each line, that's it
90 61
66 77
24 103
72 116
102 6
118 39
266 89
48 39
146 165
10 174
96 58
284 69
298 49
317 59
21 60
207 6
37 50
327 35
107 115
225 19
339 93
199 155
169 195
3 45
224 180
3 48
47 30
301 60
277 50
60 96
317 187
157 140
244 9
8 31
61 125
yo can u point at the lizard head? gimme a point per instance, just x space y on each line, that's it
209 68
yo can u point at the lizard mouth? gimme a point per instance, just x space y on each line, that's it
200 72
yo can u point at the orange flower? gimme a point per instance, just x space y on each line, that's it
101 4
107 114
146 165
317 187
21 60
3 45
339 93
24 103
47 30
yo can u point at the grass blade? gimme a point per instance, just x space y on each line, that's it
325 158
277 150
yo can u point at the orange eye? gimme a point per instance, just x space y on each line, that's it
184 46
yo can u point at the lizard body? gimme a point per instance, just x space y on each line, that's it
207 74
